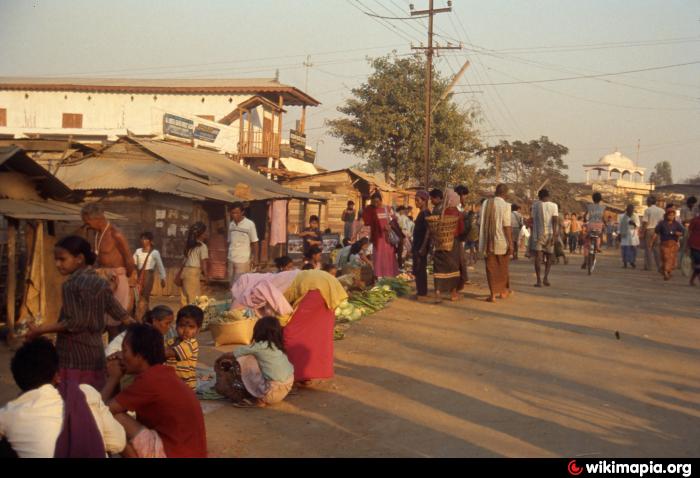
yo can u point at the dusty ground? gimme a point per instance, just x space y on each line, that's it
541 374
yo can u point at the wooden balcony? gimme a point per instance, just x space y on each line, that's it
259 144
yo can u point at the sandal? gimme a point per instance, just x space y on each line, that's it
246 403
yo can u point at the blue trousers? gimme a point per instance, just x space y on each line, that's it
629 254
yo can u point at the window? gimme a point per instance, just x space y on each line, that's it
72 120
3 117
206 117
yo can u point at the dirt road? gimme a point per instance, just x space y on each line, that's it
539 375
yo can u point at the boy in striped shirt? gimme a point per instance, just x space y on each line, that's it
182 352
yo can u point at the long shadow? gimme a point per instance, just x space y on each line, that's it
347 428
598 332
640 292
405 340
563 440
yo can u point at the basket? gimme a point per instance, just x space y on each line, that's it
442 230
238 332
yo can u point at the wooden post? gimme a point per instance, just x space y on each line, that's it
302 128
241 124
279 126
250 131
12 225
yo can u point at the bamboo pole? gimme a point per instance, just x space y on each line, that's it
11 272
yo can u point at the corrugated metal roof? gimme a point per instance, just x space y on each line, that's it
293 96
170 169
46 210
15 159
373 181
219 169
298 166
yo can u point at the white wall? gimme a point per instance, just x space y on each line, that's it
105 111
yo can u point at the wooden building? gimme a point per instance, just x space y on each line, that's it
33 205
164 187
338 187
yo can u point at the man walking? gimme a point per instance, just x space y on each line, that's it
516 221
496 242
114 258
629 225
652 217
544 229
243 243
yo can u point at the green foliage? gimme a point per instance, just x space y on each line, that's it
384 124
529 167
662 175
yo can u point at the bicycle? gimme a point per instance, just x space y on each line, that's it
592 249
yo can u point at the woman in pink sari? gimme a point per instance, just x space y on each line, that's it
378 217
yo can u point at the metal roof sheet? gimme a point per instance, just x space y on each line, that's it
293 96
219 169
46 210
15 159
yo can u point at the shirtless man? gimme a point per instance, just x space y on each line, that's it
114 257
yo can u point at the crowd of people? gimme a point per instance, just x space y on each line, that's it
136 396
450 233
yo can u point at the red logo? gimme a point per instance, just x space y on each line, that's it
573 469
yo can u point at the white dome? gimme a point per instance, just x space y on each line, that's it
617 160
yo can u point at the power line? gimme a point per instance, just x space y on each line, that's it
601 75
508 116
386 24
592 100
560 68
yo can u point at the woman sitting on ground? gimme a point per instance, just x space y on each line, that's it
259 374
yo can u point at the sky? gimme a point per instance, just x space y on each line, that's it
509 43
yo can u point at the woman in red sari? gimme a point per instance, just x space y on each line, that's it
308 334
378 217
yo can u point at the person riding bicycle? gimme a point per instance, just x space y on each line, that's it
595 215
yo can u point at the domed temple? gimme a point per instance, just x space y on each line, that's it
615 174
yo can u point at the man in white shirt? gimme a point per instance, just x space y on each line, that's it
242 243
147 260
545 224
496 242
652 216
31 424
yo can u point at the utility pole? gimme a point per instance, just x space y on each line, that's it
429 51
308 65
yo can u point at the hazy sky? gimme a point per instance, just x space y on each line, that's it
507 41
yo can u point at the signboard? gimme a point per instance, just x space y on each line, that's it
178 126
329 242
310 156
295 246
297 140
297 144
206 133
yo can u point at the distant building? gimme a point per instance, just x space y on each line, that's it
617 177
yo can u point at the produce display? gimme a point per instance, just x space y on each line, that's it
228 316
363 303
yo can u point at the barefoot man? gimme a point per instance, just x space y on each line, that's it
545 225
114 257
496 242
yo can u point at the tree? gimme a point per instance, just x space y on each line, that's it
384 124
693 179
529 167
661 175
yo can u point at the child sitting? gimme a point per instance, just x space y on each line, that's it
331 268
160 318
182 352
44 422
261 370
313 257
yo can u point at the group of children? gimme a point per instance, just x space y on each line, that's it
149 369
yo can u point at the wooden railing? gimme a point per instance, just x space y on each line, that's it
260 144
